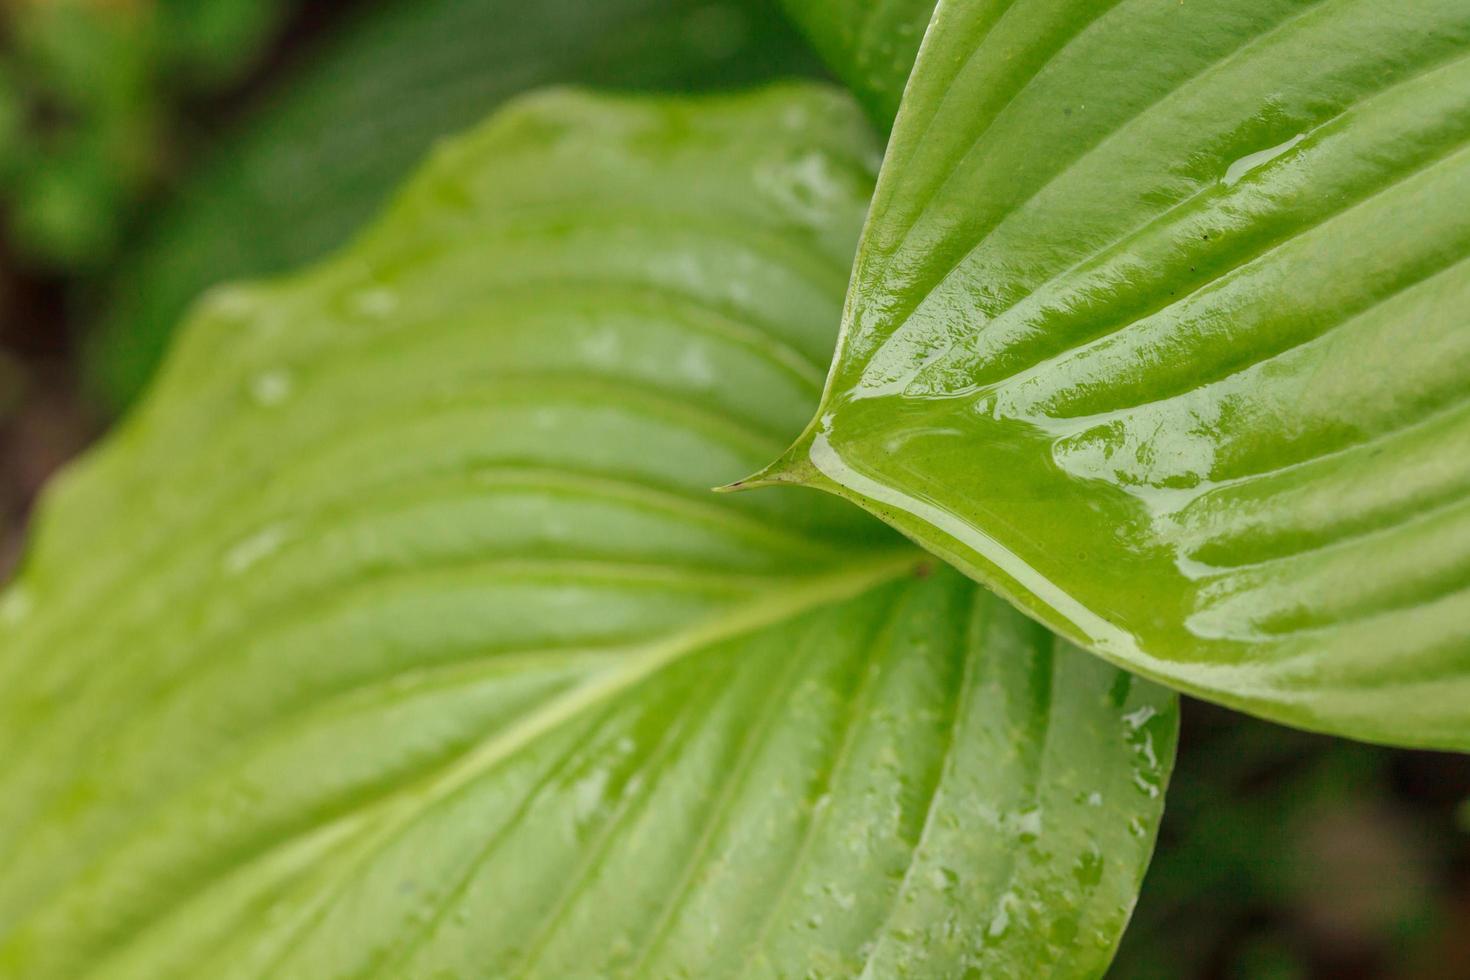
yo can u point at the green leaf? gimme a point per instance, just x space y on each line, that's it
319 157
1159 327
871 46
399 634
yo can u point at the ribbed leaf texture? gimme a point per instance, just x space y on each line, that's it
400 636
319 156
1161 326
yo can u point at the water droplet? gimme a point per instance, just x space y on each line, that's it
376 304
603 347
230 303
808 185
1000 922
271 388
16 607
796 118
1137 719
695 365
251 551
944 879
1089 869
1146 775
1027 824
1237 170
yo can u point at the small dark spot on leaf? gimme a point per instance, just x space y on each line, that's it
923 569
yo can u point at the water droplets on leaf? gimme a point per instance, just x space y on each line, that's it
377 303
696 367
1089 868
1092 799
272 388
1000 920
944 879
16 607
1254 161
254 549
590 798
1147 773
603 347
795 117
844 900
1135 720
809 185
1027 824
234 304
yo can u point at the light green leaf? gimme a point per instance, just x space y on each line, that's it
400 636
1159 326
319 155
871 46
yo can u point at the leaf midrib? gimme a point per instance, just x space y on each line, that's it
400 809
776 607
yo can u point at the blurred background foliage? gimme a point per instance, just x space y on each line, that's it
89 95
152 148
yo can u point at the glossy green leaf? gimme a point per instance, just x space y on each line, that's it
400 636
1159 326
320 154
871 46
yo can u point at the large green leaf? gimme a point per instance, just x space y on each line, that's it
399 634
1161 326
871 46
319 155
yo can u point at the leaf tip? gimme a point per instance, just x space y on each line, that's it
793 469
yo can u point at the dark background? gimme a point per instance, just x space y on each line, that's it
1283 855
